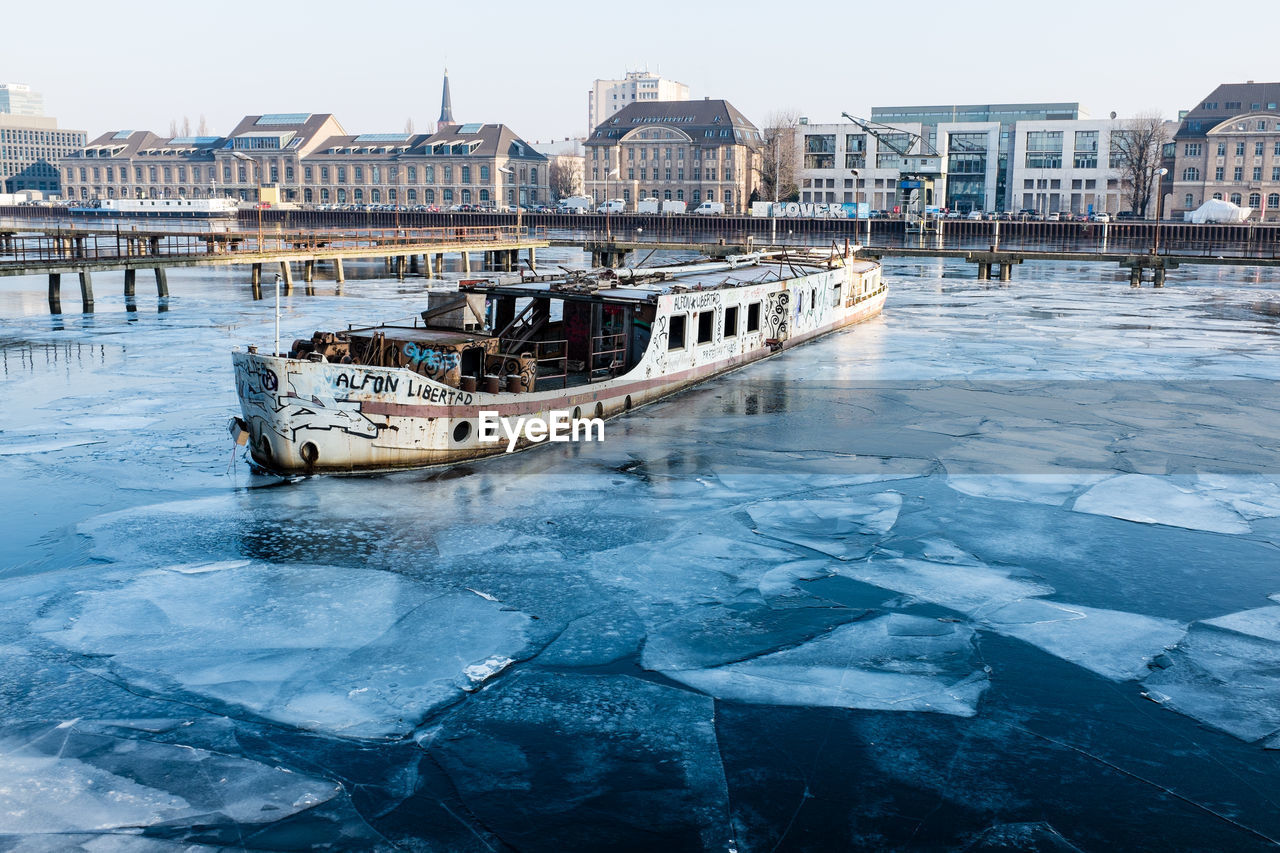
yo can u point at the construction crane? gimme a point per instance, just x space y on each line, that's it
917 172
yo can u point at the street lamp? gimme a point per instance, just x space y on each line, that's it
507 170
1159 198
257 171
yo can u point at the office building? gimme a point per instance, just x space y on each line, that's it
690 151
607 97
1228 147
18 99
30 149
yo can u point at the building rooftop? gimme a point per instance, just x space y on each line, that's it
706 119
1226 101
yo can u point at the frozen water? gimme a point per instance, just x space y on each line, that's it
1225 679
1156 500
1251 496
34 444
304 645
782 582
1052 489
890 663
975 590
845 528
60 779
557 761
1112 643
1261 622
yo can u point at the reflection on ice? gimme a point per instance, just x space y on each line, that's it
352 652
970 589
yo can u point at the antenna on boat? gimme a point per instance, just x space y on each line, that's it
277 350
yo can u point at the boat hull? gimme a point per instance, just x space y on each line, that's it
304 416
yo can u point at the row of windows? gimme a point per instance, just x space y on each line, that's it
1255 200
705 321
679 174
698 153
1191 173
323 195
375 174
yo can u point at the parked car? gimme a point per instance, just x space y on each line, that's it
1101 217
710 208
953 214
1055 217
974 215
1126 214
613 205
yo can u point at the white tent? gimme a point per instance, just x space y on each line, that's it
1217 210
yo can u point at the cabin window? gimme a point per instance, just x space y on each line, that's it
676 339
753 317
706 326
731 322
835 296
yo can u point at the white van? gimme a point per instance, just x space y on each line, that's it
613 205
710 208
647 205
575 204
674 207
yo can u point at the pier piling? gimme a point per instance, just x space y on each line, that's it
55 293
162 283
86 291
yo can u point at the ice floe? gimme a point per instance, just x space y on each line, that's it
844 527
894 662
351 652
1158 500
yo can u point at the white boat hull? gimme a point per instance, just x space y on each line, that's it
305 416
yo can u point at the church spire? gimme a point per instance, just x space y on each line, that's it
446 106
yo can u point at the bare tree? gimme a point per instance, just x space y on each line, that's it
173 127
563 178
1137 145
778 156
186 125
203 129
408 126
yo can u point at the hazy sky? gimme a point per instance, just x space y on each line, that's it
376 63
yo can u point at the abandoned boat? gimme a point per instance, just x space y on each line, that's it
595 343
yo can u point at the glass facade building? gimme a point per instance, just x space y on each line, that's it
18 99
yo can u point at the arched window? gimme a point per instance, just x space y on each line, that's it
306 195
484 174
1217 196
430 196
182 192
324 195
375 196
711 195
484 194
679 195
1189 200
413 196
697 196
533 176
357 196
1255 200
1191 173
466 195
1236 198
667 195
391 196
1273 201
342 196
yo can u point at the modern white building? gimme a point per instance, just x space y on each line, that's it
1043 165
18 99
608 96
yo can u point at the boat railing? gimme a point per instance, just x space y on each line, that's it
551 358
608 355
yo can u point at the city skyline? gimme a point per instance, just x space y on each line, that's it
534 74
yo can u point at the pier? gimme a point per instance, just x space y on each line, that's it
84 252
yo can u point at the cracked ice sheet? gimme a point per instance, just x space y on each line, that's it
351 652
891 663
966 588
1158 500
1051 489
58 779
843 527
1224 679
564 761
1112 643
1261 622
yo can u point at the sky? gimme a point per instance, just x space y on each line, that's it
375 64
